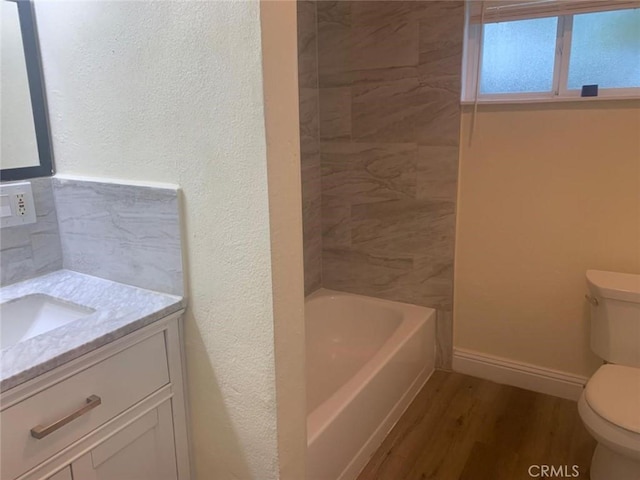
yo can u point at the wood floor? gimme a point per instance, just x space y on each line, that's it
465 428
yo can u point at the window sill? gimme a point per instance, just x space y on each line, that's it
518 101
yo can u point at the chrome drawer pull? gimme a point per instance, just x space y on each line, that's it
40 432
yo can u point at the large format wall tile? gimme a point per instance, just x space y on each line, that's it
334 32
125 233
309 124
440 60
369 172
307 44
439 66
336 224
335 113
27 251
310 143
437 173
383 34
312 222
399 226
428 282
418 280
405 111
355 271
389 75
444 339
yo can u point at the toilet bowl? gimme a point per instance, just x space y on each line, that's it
610 410
610 404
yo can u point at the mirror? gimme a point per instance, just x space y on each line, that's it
26 143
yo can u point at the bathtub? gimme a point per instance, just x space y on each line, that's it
366 360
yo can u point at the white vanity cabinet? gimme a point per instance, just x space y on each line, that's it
117 413
143 449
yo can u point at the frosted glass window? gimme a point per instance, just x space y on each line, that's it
518 57
605 50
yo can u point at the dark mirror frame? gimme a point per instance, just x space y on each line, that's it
38 98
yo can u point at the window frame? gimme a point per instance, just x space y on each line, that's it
559 88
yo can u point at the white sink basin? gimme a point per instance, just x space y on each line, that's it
31 315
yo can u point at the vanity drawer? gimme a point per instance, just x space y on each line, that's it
79 404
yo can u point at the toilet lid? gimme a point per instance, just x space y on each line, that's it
614 393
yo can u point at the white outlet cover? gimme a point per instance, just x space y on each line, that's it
18 207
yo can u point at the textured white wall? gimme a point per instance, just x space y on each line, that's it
173 92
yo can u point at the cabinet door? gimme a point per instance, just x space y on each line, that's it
143 450
64 474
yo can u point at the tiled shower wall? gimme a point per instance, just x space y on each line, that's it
309 143
389 116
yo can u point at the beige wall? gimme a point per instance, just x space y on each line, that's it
545 193
173 92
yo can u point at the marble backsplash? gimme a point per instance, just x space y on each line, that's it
125 233
27 251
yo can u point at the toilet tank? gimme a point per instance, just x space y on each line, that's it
615 316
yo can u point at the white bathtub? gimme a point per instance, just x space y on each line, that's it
366 360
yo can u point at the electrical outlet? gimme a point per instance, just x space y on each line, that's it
18 207
22 208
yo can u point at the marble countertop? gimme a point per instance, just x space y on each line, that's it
119 309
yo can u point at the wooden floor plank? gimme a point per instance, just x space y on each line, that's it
404 444
452 443
485 462
464 428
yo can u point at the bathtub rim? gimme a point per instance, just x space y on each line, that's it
413 318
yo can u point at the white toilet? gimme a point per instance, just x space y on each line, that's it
610 403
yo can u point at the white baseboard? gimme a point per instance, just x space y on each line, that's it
518 374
